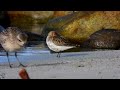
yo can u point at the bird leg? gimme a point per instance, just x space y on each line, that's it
18 60
58 55
8 59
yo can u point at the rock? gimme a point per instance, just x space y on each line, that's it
34 39
61 13
30 16
78 26
32 21
23 74
103 39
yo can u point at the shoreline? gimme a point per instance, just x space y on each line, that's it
79 65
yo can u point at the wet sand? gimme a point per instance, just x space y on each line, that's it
76 65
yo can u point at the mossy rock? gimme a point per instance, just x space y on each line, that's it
77 27
32 21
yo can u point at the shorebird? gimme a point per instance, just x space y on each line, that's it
57 43
12 39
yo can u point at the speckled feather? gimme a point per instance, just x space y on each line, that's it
60 41
8 33
12 39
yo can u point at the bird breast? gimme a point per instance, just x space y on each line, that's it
10 47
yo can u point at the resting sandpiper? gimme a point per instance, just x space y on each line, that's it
57 43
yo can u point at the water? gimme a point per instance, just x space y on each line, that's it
30 53
40 53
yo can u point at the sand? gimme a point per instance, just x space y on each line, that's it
77 65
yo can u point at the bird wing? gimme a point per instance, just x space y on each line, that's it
3 37
61 41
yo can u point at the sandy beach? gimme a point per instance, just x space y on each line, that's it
76 65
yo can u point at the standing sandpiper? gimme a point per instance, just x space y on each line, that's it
58 43
12 39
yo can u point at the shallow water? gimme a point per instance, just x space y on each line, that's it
40 53
43 54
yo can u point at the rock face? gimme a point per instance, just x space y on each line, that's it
77 27
103 39
33 21
61 13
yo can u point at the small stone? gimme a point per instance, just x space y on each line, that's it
78 26
81 65
23 74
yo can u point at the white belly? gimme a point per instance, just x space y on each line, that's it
56 48
11 47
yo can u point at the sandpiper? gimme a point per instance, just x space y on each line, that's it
12 39
57 43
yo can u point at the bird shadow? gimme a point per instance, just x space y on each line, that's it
73 55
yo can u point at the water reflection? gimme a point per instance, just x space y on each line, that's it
75 55
40 52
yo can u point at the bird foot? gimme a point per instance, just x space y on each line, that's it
58 56
22 65
10 66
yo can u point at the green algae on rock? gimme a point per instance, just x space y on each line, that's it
78 26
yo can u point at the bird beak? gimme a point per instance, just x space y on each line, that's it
25 46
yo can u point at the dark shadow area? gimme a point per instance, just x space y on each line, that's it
72 55
34 39
4 19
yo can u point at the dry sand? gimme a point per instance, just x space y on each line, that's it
79 65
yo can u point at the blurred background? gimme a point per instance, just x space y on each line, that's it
76 26
32 21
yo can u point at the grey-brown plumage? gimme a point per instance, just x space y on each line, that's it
13 39
57 43
57 39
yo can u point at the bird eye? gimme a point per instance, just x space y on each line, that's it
20 41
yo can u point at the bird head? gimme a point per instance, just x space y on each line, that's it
22 39
52 34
